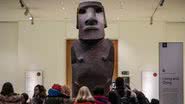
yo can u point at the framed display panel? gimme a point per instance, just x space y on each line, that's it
171 73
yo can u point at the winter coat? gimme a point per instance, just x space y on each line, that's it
129 96
81 101
101 100
68 101
13 99
142 99
56 97
37 100
85 103
54 100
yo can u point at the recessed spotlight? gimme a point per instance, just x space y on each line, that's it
30 18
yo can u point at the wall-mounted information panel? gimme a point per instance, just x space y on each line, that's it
171 73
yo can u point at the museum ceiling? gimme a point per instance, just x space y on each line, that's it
172 10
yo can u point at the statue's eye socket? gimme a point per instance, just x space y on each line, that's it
82 11
99 10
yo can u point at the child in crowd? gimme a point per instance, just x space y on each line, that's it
84 96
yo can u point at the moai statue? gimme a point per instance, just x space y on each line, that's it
92 56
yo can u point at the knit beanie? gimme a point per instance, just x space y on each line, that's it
57 87
55 90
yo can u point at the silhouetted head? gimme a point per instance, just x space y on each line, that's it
98 91
39 91
91 20
120 86
154 101
84 94
66 90
25 98
120 82
7 89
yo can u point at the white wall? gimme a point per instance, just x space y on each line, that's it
8 54
43 45
138 48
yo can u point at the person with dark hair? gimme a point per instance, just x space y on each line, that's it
99 96
7 89
25 98
122 95
154 101
7 95
39 95
142 99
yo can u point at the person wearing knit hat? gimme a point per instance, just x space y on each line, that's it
57 87
55 90
92 56
55 96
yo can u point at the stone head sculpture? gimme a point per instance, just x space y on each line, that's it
91 20
92 56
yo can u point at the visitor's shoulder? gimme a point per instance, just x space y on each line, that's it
12 98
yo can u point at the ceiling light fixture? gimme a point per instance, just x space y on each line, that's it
151 20
161 2
27 11
21 3
30 18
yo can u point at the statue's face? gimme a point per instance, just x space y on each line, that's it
91 21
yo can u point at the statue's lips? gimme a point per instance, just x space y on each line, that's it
90 28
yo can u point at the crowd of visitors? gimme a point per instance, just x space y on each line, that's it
61 94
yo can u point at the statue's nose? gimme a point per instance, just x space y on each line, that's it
91 17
